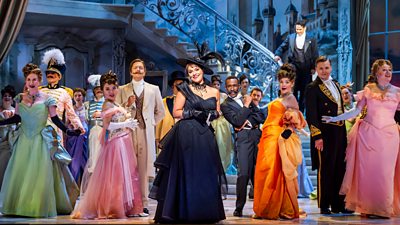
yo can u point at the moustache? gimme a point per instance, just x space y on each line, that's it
233 92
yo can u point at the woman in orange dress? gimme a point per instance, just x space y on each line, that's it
279 154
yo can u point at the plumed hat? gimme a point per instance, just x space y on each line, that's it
54 59
94 80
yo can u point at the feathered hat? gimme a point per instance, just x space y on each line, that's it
94 80
54 59
203 56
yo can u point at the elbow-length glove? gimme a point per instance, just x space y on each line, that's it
59 124
14 119
347 115
129 123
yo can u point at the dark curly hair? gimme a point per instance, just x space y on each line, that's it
32 68
8 89
108 78
286 71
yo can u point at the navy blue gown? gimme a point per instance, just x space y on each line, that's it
190 175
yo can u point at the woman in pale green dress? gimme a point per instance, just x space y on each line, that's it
35 184
223 129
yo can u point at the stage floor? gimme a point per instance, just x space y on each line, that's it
310 206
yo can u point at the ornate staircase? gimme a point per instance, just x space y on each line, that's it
193 21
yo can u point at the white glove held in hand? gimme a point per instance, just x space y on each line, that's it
129 123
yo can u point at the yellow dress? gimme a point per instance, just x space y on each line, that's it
275 184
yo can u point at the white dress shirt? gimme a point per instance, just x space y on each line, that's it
238 99
332 88
138 86
300 39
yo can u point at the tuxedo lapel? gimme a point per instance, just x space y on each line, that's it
233 103
292 40
307 42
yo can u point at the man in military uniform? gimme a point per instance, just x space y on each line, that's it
328 140
54 59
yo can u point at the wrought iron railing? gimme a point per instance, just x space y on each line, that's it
200 23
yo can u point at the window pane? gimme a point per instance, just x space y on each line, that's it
376 47
377 15
396 79
394 50
393 15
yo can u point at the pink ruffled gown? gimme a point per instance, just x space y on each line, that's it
372 179
113 188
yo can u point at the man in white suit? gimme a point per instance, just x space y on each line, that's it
145 103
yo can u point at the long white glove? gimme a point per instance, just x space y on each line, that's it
129 123
347 115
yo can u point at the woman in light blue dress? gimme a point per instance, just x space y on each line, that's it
36 183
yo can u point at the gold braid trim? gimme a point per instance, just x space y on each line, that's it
314 131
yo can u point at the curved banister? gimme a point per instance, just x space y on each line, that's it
200 23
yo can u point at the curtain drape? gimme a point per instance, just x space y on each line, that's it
12 13
362 42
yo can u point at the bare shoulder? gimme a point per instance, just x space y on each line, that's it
212 90
291 102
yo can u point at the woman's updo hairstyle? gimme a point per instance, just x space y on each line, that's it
108 78
286 71
375 66
32 68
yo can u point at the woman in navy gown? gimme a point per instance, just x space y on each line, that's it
190 174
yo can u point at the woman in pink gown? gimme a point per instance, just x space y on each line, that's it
372 180
113 188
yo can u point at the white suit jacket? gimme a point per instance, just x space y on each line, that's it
153 112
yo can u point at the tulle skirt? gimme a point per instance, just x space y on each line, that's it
113 189
372 180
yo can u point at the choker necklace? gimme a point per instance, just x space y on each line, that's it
383 88
34 97
199 88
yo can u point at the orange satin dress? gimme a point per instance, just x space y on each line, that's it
275 184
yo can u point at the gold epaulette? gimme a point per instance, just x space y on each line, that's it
314 131
69 90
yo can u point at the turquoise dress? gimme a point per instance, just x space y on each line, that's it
33 184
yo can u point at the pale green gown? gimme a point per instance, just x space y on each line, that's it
33 184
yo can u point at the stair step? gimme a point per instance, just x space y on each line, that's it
138 16
231 179
171 39
150 24
184 45
192 52
161 31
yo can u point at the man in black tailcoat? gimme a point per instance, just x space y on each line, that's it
245 118
328 140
